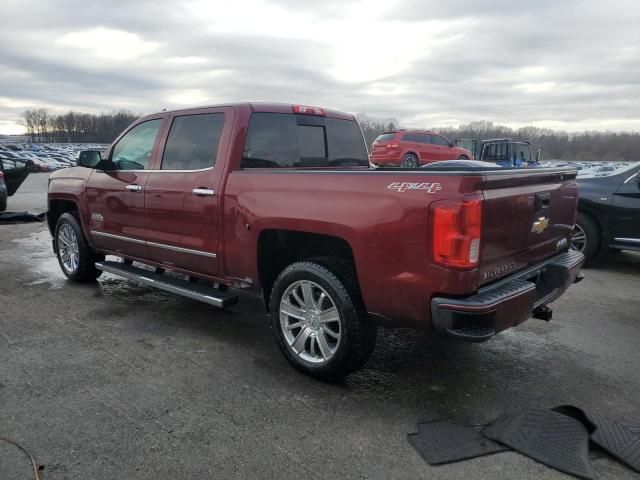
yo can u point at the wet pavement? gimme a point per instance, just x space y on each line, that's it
118 381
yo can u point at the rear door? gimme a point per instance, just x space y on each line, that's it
181 196
528 216
115 199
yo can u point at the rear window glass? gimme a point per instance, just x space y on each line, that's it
385 137
280 140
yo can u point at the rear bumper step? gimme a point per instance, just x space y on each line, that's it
508 303
169 284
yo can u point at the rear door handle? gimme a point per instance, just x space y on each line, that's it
134 188
203 192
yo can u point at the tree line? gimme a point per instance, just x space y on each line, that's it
43 126
75 127
555 144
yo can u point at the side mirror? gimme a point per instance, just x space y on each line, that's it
89 158
538 155
451 145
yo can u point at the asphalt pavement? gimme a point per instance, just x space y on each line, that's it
117 381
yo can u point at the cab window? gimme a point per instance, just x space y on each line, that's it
133 151
193 142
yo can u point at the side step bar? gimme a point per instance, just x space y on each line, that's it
169 284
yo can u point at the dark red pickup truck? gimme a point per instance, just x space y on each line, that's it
282 199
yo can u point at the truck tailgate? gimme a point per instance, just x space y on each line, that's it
528 216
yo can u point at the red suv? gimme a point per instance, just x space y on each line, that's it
412 148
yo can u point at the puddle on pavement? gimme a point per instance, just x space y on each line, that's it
36 254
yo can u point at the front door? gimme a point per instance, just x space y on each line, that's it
181 195
624 218
115 197
440 147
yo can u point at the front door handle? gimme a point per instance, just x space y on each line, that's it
203 192
134 188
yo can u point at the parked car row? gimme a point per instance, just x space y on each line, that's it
45 157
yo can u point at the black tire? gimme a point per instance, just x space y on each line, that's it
463 157
3 204
410 160
85 270
127 261
591 246
357 330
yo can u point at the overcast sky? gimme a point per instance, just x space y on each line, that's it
570 64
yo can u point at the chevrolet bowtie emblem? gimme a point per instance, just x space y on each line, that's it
540 225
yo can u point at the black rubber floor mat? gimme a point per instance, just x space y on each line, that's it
442 441
558 441
11 218
616 437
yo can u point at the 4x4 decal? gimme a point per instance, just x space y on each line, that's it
404 186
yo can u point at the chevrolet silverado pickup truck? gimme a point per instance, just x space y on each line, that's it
282 199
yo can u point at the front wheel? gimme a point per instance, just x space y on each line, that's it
77 260
586 236
319 321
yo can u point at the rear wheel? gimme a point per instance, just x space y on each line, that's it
463 157
586 236
77 260
319 321
410 160
3 204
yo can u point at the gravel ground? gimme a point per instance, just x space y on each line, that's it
116 381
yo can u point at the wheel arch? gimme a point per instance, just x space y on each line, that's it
278 248
56 208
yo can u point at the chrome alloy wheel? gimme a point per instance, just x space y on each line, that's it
578 239
68 248
410 161
310 322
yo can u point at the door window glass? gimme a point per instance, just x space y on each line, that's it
193 142
438 140
133 151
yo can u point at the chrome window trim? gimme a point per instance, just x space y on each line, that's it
153 170
627 180
153 244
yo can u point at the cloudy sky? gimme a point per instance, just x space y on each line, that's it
570 64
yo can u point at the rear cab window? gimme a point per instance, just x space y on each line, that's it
282 140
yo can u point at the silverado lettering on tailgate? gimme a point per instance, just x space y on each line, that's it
404 186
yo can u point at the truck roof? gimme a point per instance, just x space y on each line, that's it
267 107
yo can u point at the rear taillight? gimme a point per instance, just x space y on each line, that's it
455 232
1 175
